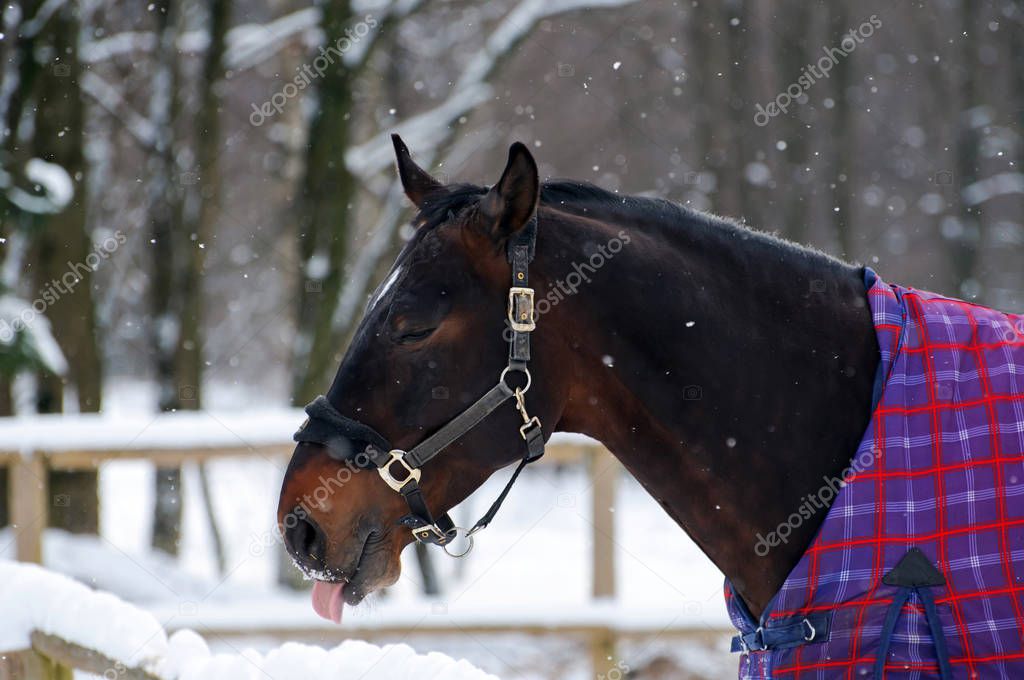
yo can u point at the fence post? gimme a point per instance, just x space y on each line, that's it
26 494
26 663
602 654
604 473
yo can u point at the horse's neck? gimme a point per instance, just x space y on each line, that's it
729 373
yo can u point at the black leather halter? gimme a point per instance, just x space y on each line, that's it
328 427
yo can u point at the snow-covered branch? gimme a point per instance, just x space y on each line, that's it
51 179
21 323
110 99
358 277
426 130
997 185
251 44
33 26
127 42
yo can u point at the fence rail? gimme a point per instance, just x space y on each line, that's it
31 446
53 658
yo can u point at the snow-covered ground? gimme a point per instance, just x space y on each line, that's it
530 568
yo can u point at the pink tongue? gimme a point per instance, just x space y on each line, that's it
327 600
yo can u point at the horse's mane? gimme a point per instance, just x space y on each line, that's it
583 198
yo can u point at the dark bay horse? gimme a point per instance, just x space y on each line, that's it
729 371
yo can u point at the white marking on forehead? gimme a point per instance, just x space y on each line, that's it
384 287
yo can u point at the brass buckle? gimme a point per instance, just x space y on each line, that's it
422 533
532 422
398 456
520 309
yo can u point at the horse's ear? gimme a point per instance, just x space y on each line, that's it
416 182
512 202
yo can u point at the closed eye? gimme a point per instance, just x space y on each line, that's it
414 336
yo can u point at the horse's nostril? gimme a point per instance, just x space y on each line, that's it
304 540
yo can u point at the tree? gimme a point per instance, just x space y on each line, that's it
183 212
46 200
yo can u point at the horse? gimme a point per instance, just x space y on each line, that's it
752 386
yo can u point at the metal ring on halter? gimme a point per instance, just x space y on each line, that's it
465 552
529 378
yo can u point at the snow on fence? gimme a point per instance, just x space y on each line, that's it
52 625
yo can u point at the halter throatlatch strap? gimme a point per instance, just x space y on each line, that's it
399 469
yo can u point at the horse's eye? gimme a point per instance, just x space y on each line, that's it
414 336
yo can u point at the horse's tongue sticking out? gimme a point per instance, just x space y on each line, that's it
327 601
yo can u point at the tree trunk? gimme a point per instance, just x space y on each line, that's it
165 213
64 260
325 211
964 250
185 210
6 409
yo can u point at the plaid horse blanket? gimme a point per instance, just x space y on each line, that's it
918 568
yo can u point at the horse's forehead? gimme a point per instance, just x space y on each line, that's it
420 258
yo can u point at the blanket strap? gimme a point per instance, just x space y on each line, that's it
914 574
785 633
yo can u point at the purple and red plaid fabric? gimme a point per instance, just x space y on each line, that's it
940 468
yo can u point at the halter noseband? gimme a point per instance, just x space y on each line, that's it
329 428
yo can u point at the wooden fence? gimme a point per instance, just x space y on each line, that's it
52 658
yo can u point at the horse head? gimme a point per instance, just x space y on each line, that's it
434 339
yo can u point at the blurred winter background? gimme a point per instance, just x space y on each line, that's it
196 197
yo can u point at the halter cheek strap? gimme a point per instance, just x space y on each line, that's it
399 469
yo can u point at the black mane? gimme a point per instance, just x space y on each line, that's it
586 199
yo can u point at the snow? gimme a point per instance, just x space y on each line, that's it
184 430
232 617
136 577
250 44
34 599
111 99
125 43
419 132
318 266
18 317
351 660
990 187
54 179
35 24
